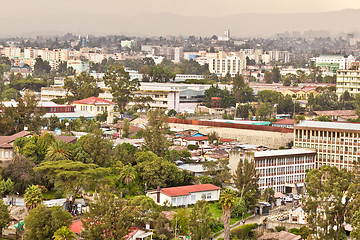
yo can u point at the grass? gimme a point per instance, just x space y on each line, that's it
49 194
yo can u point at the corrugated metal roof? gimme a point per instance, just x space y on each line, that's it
284 152
330 125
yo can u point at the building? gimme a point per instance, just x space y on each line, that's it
227 63
185 195
53 92
95 106
297 216
79 66
337 143
284 123
6 145
282 170
348 80
329 63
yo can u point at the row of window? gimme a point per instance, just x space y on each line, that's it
182 200
308 133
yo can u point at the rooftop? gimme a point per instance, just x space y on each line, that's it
93 101
329 125
284 152
187 190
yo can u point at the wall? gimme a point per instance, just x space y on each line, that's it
288 226
256 137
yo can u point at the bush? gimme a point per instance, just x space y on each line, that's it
304 232
280 228
58 194
244 231
192 147
294 231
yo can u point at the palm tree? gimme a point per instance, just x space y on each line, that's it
32 197
127 174
64 233
58 148
227 201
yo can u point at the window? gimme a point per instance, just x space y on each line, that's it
208 195
193 198
173 201
203 196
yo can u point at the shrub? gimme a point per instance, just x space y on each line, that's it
280 228
244 231
58 194
192 147
294 231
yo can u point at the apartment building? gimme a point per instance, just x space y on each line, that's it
282 170
331 63
337 143
227 63
348 80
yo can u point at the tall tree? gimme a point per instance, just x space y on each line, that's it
81 86
108 217
4 217
58 150
227 201
246 180
98 148
41 67
127 174
154 134
327 200
32 197
42 222
199 222
218 170
121 88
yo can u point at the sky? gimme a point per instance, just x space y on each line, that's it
181 7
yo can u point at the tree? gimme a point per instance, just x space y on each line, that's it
265 111
269 195
276 75
199 222
64 233
121 88
42 222
6 187
108 217
124 154
4 217
227 201
41 67
326 202
32 197
226 97
126 128
243 111
181 221
154 134
81 86
71 176
58 150
218 171
268 77
98 149
246 180
213 136
127 174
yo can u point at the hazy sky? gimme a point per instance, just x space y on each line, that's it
181 7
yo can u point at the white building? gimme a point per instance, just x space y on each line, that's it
282 170
348 80
227 63
185 195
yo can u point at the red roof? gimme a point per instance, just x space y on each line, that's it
285 121
76 226
203 138
93 101
132 232
186 190
226 140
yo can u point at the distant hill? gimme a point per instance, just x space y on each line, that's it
242 25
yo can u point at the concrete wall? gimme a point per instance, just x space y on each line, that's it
288 226
256 137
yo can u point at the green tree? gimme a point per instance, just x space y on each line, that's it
218 170
127 174
199 222
41 67
98 149
32 197
268 77
269 195
154 134
81 86
4 217
64 233
120 85
6 187
72 177
180 221
227 201
246 180
42 222
226 97
126 128
108 217
58 150
265 111
276 75
213 136
326 202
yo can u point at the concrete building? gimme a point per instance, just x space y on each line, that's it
348 80
95 106
79 66
227 63
185 195
52 92
337 143
330 63
282 170
6 145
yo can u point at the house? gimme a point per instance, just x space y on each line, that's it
6 145
338 115
284 123
95 106
185 195
297 216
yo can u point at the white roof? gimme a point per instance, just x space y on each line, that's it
330 125
196 168
75 114
284 152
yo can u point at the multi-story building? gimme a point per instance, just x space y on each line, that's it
337 143
224 63
348 80
331 63
282 170
95 106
